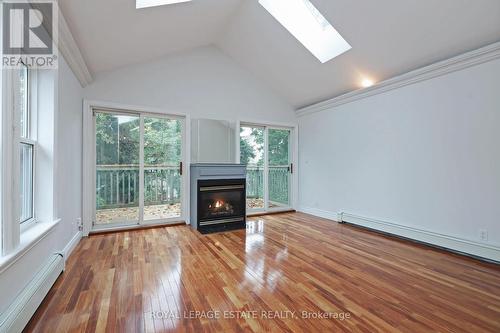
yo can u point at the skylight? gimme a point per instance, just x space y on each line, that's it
154 3
306 23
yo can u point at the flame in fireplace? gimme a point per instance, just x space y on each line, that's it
219 208
218 204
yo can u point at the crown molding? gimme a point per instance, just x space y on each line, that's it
465 60
71 52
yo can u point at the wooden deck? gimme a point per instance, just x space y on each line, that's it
151 212
287 266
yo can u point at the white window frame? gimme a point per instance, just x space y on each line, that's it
293 150
10 231
88 205
11 226
32 118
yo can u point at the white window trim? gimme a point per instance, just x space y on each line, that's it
32 140
27 241
29 223
88 198
13 243
294 151
12 229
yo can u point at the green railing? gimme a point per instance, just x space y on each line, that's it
278 183
255 181
117 186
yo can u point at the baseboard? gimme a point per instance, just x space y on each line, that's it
15 318
320 213
455 244
137 227
271 213
25 304
68 249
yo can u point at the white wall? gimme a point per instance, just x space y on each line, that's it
212 141
424 156
68 188
203 83
200 83
69 150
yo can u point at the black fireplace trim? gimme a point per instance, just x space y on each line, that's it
217 224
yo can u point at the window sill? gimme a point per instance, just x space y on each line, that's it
25 226
29 238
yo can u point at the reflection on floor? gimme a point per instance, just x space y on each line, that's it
116 215
256 203
290 272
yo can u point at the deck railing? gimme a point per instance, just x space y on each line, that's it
117 186
278 183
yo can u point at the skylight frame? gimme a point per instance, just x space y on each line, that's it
306 23
139 4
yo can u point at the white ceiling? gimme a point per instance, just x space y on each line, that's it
113 33
389 37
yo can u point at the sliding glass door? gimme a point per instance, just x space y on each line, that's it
117 168
266 151
252 155
138 169
162 165
279 168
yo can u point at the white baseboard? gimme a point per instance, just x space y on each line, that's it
15 318
486 251
25 304
71 245
320 213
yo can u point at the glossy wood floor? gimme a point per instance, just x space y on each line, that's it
290 262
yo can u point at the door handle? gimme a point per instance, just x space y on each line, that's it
291 168
180 168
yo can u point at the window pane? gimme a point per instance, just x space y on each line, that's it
279 172
23 101
162 157
26 182
252 155
117 168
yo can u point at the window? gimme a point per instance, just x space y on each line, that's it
30 106
134 187
267 153
26 146
306 23
153 3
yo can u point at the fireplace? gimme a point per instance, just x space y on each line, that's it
219 199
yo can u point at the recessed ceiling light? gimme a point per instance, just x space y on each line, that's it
367 83
306 23
154 3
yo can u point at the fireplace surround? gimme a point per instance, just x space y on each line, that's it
218 197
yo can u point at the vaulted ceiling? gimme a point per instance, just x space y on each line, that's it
113 33
388 38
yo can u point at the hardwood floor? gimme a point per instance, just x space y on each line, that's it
155 280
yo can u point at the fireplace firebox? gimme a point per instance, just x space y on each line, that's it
219 199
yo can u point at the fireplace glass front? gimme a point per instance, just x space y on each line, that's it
221 201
